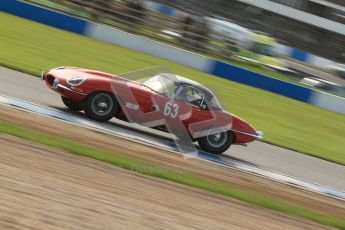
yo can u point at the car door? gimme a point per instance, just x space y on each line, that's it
200 114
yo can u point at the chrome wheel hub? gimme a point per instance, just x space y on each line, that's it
216 137
217 140
102 104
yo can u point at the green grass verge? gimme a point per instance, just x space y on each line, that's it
168 174
31 47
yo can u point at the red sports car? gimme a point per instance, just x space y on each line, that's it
162 101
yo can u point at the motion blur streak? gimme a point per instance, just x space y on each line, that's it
148 140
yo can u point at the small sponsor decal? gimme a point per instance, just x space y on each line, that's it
132 106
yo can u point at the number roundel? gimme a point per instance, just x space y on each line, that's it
171 109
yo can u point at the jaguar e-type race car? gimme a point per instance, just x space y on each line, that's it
163 101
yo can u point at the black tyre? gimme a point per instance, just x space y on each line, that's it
73 105
216 143
101 106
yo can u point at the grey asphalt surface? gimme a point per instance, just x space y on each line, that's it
22 86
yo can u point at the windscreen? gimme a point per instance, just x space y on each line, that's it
162 84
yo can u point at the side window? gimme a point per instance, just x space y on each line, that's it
190 95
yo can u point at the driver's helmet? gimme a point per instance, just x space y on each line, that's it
182 93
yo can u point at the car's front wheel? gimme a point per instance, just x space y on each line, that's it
73 105
216 142
101 106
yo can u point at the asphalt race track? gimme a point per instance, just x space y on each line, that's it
22 86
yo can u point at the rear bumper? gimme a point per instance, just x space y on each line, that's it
259 135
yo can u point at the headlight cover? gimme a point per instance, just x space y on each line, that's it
76 81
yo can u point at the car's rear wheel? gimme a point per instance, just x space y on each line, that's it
216 142
101 106
73 105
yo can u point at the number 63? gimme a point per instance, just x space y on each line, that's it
171 110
